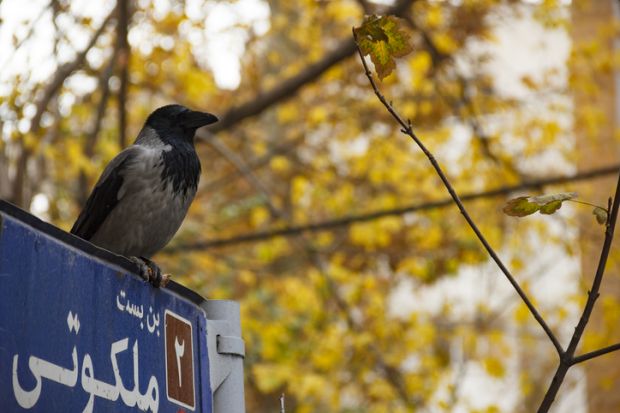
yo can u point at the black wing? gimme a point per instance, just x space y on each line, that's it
104 197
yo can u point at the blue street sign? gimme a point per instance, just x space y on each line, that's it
80 333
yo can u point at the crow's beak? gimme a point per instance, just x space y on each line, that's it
195 119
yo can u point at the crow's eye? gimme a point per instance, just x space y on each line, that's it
179 115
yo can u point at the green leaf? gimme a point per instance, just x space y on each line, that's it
383 38
550 207
545 199
520 207
601 215
546 204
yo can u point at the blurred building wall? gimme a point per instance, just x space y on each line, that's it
595 148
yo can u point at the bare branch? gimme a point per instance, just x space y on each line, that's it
49 92
64 72
408 130
567 359
288 87
246 171
351 219
252 165
595 353
123 63
91 138
283 90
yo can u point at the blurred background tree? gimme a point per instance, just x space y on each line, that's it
374 296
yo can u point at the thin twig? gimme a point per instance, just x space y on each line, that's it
586 203
33 25
408 130
461 101
245 170
122 30
595 353
567 360
252 165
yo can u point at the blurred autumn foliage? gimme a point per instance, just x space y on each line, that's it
392 305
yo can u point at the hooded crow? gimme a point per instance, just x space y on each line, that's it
143 195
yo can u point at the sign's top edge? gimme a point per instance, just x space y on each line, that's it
90 249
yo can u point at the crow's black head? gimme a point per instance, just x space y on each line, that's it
174 122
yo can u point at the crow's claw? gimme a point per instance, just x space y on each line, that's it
150 272
143 269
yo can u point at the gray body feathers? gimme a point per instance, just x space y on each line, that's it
148 212
142 196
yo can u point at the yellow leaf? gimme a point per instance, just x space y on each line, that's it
300 187
494 367
444 42
259 216
269 377
287 112
521 314
420 63
317 114
434 17
280 164
383 39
